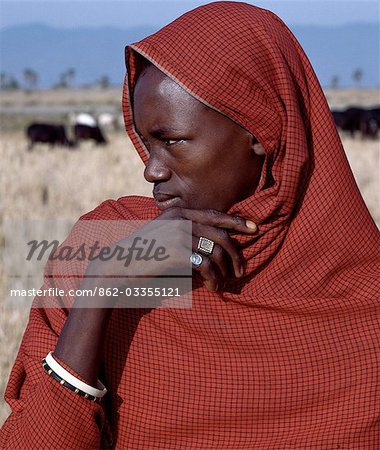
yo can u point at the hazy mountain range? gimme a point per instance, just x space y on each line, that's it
95 52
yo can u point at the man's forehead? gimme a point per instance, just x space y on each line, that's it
153 81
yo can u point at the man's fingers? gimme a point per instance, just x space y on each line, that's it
210 275
218 227
218 219
221 239
218 256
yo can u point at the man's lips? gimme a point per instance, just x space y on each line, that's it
164 201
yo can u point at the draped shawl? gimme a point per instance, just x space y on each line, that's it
309 302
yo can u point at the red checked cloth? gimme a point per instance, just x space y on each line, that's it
289 357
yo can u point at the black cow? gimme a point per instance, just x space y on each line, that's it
47 133
353 119
339 118
371 123
85 132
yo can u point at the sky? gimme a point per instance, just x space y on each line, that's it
126 13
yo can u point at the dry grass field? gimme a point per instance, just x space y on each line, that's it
62 183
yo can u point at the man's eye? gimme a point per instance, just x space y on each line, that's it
143 139
172 141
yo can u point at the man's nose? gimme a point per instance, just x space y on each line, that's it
156 169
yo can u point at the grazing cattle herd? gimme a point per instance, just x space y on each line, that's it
84 128
87 132
364 121
47 133
353 120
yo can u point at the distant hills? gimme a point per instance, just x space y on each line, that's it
97 52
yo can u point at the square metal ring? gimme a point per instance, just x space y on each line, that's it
205 245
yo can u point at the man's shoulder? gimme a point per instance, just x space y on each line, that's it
132 207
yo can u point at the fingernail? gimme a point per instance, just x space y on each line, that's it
251 225
241 270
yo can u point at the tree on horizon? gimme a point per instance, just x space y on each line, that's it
357 76
8 82
30 78
66 78
104 82
334 81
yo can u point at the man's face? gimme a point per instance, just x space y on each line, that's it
198 158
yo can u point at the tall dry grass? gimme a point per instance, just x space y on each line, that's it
56 183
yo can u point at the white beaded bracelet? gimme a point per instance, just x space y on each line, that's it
67 376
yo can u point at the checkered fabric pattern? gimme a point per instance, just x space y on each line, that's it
288 358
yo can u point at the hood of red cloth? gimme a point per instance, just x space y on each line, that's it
316 237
